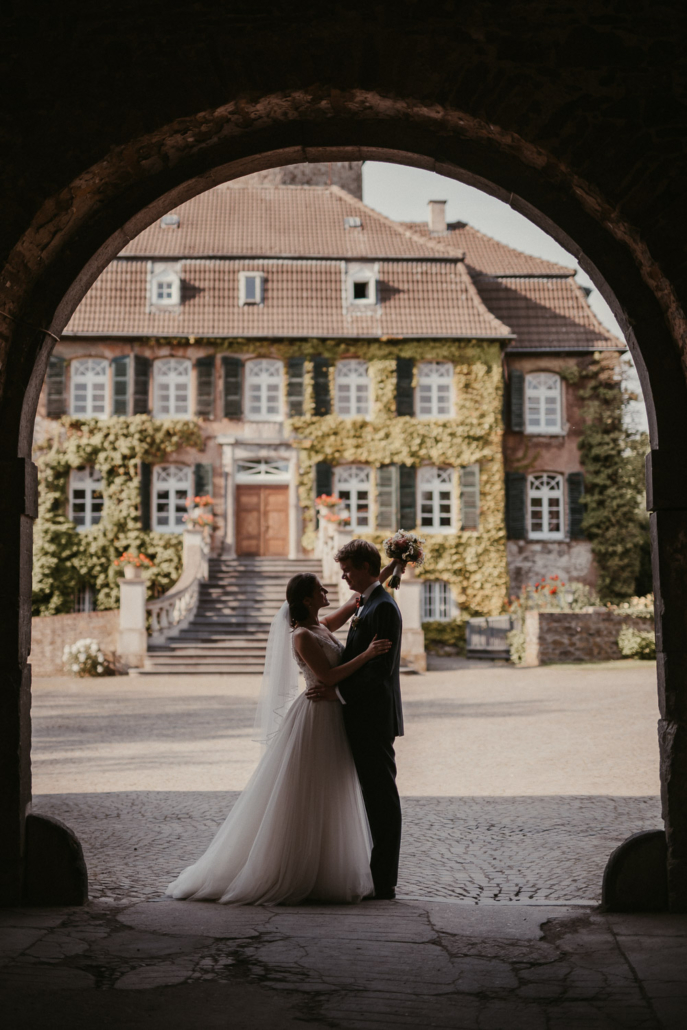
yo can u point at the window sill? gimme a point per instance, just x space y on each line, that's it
550 537
544 432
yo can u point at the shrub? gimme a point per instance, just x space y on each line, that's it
516 642
85 658
445 637
635 643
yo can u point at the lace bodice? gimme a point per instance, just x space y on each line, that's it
333 649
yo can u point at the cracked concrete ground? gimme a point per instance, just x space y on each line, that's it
172 964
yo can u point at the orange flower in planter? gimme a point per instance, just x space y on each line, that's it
139 561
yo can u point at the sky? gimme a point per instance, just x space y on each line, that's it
402 193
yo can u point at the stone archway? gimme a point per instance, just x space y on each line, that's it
60 243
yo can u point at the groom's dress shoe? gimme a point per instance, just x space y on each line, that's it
380 896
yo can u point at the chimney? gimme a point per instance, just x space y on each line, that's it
437 216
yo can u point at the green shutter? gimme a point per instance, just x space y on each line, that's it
145 495
232 369
205 386
576 505
202 479
407 498
517 401
469 497
405 400
516 499
56 379
120 384
323 479
294 387
387 497
323 401
141 385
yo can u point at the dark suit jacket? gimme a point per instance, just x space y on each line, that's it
373 693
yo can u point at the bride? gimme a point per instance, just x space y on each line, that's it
299 830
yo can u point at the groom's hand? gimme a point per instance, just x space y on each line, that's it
321 692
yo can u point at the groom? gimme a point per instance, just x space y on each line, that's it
371 700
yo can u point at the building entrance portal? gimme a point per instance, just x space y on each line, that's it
262 520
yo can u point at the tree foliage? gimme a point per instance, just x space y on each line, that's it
613 461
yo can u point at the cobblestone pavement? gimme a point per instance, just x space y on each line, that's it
517 784
182 965
531 849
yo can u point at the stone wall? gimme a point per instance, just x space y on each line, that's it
49 634
591 636
530 560
346 174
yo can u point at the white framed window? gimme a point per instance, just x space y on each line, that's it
361 284
165 288
434 389
264 390
89 387
352 388
437 602
85 498
352 485
251 288
171 488
436 498
262 470
172 377
543 403
545 506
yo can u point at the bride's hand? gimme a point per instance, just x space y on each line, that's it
377 647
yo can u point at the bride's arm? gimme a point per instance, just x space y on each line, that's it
313 656
341 616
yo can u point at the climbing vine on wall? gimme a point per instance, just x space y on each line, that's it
612 458
474 563
66 558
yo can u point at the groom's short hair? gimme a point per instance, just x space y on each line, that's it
359 553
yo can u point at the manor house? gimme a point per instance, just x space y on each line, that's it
422 372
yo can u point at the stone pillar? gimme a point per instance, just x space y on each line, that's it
667 501
294 509
132 643
229 495
18 508
409 600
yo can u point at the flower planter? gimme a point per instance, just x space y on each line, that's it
132 572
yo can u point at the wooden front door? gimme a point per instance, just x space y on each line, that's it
262 520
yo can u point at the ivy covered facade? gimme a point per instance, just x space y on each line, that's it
415 373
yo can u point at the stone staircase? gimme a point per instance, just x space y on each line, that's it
229 630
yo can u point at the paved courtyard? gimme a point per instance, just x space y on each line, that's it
516 784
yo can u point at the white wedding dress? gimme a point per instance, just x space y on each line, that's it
299 830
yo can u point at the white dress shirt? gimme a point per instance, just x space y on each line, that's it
364 598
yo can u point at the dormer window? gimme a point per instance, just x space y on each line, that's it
170 221
351 222
251 288
165 287
362 285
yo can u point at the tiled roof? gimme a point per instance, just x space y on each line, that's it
486 255
302 299
281 221
297 236
545 314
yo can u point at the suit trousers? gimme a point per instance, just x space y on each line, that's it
375 763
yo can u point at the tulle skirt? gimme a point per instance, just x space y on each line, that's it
299 830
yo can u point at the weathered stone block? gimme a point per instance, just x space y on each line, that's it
55 870
636 878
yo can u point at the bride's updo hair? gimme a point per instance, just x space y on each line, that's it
300 586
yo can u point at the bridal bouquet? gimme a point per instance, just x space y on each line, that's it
404 547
